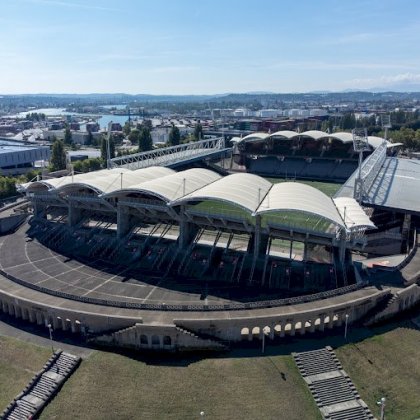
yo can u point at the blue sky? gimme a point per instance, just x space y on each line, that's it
207 46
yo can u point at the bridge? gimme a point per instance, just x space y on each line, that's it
174 156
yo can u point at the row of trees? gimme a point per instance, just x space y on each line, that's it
7 187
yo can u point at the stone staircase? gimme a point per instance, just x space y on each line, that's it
204 342
42 388
332 389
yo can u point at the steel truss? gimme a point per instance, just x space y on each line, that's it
169 155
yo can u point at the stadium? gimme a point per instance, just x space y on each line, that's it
141 255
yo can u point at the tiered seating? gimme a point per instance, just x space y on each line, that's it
318 168
343 170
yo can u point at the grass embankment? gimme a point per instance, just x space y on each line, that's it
19 361
114 386
387 365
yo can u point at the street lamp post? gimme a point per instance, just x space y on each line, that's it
51 338
381 403
345 326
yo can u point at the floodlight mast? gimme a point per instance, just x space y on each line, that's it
360 145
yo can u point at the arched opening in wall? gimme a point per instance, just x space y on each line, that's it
167 341
288 327
256 331
335 318
155 340
266 331
277 329
244 333
308 324
317 322
298 325
144 340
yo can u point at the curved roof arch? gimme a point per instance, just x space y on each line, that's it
341 136
294 196
286 134
255 137
116 179
243 190
173 186
314 134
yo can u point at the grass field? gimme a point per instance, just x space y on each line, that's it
387 365
114 386
19 361
241 384
329 188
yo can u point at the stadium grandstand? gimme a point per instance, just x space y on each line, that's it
240 228
313 154
146 257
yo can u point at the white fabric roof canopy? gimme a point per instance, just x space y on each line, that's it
175 185
293 196
352 214
244 190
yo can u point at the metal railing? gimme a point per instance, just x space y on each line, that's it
372 165
187 307
169 155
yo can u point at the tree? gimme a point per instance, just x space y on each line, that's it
148 123
7 187
134 136
127 128
174 136
198 131
348 121
58 156
68 139
145 140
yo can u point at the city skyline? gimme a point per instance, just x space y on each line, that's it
60 46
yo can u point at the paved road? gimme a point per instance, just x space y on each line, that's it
34 334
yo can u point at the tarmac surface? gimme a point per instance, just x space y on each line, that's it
32 262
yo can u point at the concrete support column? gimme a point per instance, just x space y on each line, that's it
250 335
322 323
312 327
73 327
302 328
25 315
257 236
39 318
39 210
340 320
272 332
5 307
11 310
74 215
293 328
282 327
32 316
18 312
56 323
331 320
187 232
124 224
